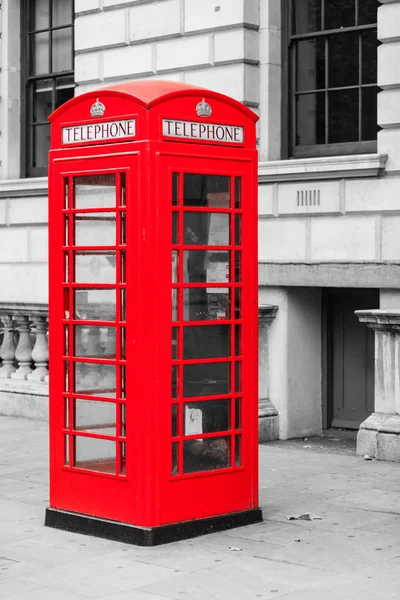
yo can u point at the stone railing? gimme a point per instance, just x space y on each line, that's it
24 350
24 358
24 355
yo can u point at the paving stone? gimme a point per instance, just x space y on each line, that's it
351 553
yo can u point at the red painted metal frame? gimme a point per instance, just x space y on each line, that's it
148 493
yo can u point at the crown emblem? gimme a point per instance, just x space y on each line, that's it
97 109
203 109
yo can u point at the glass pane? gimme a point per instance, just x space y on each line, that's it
206 454
201 304
64 90
340 13
175 188
95 417
41 145
123 189
95 342
174 343
238 413
66 231
238 303
238 192
310 119
175 231
343 116
95 379
40 63
39 14
66 450
95 229
122 381
122 266
95 454
206 341
206 417
66 377
93 191
206 190
369 113
62 50
174 305
122 228
211 266
343 64
95 305
238 230
367 12
206 229
122 448
238 267
206 379
238 451
66 413
66 344
66 193
306 16
175 458
238 377
310 71
42 100
369 43
174 390
123 420
62 12
95 267
175 264
175 409
238 340
122 331
123 304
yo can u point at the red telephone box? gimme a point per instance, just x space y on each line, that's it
153 313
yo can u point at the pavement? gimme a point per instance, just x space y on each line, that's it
351 552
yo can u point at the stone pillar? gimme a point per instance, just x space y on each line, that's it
268 420
379 434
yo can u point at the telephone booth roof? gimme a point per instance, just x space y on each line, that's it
151 103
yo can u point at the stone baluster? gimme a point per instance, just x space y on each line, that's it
268 425
40 352
7 349
23 351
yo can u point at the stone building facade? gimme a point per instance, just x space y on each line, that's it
329 175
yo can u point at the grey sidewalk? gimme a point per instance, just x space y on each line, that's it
351 553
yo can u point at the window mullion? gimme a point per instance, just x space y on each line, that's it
360 87
326 91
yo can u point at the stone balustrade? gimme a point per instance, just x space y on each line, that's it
24 374
24 349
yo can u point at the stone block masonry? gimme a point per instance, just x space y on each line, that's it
214 45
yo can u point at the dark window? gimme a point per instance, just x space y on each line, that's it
332 76
48 76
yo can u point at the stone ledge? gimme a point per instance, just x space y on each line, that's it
22 404
383 319
329 274
23 188
330 167
24 387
